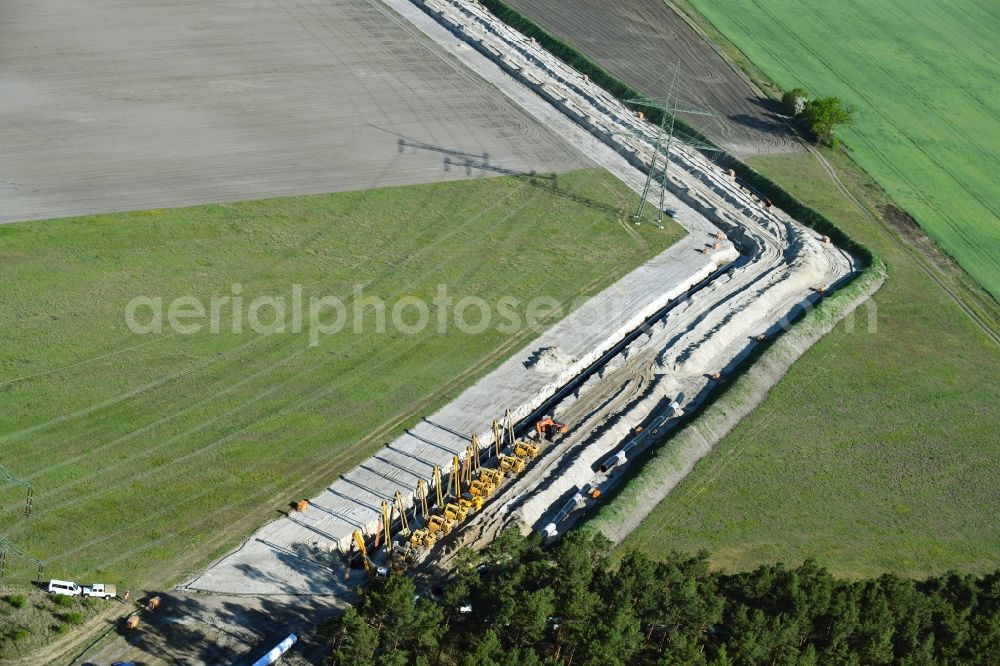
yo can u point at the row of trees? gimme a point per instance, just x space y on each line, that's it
819 116
516 604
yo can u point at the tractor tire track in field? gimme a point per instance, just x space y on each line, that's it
846 38
925 263
916 191
327 467
804 45
959 229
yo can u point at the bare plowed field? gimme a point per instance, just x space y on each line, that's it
117 106
640 40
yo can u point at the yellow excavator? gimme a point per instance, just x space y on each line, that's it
474 454
497 437
471 501
423 537
439 524
402 559
386 526
437 486
404 524
370 568
455 478
422 495
468 502
481 489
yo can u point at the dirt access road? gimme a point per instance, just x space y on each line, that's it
639 41
216 630
120 106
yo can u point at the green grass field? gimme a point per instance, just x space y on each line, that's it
925 78
877 452
152 453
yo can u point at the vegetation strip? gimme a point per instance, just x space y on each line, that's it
514 604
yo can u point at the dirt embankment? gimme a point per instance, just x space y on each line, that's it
677 457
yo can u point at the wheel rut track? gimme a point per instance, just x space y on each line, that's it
923 262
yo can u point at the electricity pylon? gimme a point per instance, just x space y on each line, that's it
8 476
669 109
7 546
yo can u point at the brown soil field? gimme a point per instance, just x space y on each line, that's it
129 106
639 41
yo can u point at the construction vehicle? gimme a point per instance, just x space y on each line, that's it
471 501
402 559
455 478
370 568
360 542
548 428
526 449
474 454
481 489
494 477
512 464
439 524
455 513
386 526
422 494
397 561
508 427
466 502
437 486
404 525
422 538
497 437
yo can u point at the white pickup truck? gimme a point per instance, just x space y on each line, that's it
101 591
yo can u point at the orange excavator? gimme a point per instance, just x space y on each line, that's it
548 428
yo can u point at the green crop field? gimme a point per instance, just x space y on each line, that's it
151 453
925 78
878 450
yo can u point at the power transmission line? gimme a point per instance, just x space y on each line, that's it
8 546
669 109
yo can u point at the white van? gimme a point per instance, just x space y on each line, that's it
65 587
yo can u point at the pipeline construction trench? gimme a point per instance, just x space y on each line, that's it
647 349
